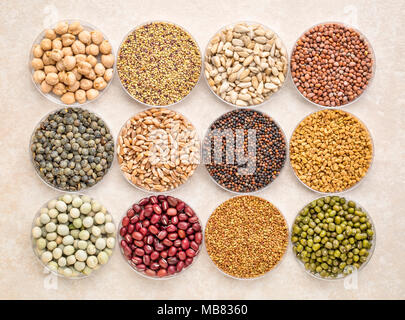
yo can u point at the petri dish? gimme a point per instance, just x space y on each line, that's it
371 76
131 220
59 270
348 270
51 96
155 61
208 56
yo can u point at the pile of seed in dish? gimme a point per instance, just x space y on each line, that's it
160 236
331 236
73 235
72 149
331 151
246 236
244 150
159 63
245 64
158 149
72 62
332 64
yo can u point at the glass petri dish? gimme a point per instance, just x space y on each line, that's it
119 56
206 61
120 141
39 173
371 50
51 96
133 265
75 274
341 275
206 161
354 186
284 221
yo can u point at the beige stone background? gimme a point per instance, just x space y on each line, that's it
382 108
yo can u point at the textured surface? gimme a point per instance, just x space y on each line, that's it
381 109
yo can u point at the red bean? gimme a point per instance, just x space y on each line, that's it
172 236
127 252
128 238
179 266
157 209
171 228
134 219
154 266
182 255
189 231
183 217
146 223
139 243
164 254
146 260
183 225
138 226
164 220
196 227
123 244
163 263
123 231
143 202
167 242
172 260
150 272
137 235
185 244
162 273
148 249
161 197
154 255
189 261
139 252
137 208
180 206
194 246
172 251
165 205
172 201
149 239
132 246
143 230
171 212
154 219
131 228
171 270
159 247
153 229
193 219
175 220
136 260
191 237
141 267
162 234
130 213
190 253
182 234
189 211
177 243
142 215
153 199
125 221
148 211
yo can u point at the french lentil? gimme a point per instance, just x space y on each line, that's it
246 236
331 151
331 236
261 166
159 63
72 149
332 64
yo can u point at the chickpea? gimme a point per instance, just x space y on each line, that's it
75 28
56 54
62 76
84 68
92 49
85 37
70 79
77 74
80 96
91 94
99 83
57 44
108 74
61 27
50 69
45 87
52 78
74 86
86 84
69 62
68 98
39 76
92 75
46 44
97 37
68 39
50 34
59 89
92 60
80 57
60 66
99 69
107 60
47 60
67 51
78 47
105 47
37 64
37 51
